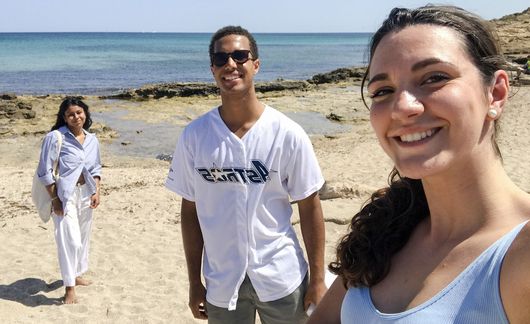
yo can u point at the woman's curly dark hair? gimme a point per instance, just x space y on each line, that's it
379 230
386 221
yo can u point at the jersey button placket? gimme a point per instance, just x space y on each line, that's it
242 206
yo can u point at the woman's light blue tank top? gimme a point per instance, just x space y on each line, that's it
472 297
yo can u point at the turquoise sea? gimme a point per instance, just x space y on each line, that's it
104 63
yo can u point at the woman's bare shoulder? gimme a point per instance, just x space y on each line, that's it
515 281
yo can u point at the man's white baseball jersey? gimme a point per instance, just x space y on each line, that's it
242 189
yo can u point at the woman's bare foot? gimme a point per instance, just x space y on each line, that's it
69 296
82 282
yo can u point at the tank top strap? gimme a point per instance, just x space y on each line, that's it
504 243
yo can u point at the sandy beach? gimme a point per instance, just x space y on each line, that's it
137 261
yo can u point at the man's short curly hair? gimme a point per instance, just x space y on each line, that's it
233 30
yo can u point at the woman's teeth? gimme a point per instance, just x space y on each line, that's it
416 136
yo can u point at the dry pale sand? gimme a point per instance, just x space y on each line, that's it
137 261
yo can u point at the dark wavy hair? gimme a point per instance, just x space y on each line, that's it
233 30
384 224
72 101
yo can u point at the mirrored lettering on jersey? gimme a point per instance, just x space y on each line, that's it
257 174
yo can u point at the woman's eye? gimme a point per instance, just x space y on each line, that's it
379 93
434 78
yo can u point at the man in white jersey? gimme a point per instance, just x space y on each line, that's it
237 168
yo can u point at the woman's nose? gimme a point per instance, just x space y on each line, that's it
406 106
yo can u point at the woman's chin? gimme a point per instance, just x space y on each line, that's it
419 170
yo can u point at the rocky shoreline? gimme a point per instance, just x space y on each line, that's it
189 89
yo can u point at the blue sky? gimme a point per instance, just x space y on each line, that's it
208 16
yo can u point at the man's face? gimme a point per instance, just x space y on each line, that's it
234 77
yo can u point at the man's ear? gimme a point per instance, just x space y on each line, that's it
256 64
211 68
498 91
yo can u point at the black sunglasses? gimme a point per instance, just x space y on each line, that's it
219 59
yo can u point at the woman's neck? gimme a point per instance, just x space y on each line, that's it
76 131
465 202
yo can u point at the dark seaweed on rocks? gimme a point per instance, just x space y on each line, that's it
169 90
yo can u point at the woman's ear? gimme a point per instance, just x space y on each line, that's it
498 91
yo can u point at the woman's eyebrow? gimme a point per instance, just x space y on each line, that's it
377 77
429 61
417 66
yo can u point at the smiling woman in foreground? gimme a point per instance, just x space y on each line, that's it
448 240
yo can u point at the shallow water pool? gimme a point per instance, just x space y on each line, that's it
138 138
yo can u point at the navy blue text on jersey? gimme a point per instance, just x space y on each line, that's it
257 174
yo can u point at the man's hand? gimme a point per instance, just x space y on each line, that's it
197 301
313 232
315 291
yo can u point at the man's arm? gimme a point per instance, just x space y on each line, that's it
193 248
313 232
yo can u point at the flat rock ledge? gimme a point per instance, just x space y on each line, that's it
188 89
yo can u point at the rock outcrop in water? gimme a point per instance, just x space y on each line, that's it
185 89
169 90
342 74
